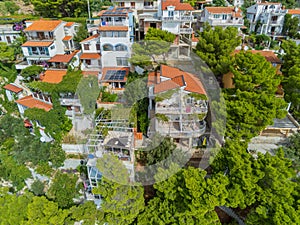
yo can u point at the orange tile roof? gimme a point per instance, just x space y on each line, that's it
64 58
13 88
69 24
227 10
193 84
37 44
90 38
90 56
179 80
67 38
269 55
165 86
31 102
294 11
86 73
113 28
105 69
178 5
43 25
53 76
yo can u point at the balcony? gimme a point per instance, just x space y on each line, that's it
185 109
114 23
67 101
185 30
193 129
177 18
40 38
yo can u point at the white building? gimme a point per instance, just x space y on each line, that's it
221 16
45 39
8 34
91 58
266 18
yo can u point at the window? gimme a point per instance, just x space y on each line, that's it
132 4
122 61
52 47
88 62
170 13
108 47
14 37
122 4
121 47
224 17
8 39
98 47
216 16
122 34
86 47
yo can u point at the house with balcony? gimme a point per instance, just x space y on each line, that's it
176 17
90 58
177 105
222 17
8 33
45 39
266 18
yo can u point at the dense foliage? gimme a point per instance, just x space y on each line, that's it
215 47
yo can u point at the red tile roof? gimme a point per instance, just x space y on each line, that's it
31 102
193 84
116 11
53 76
64 58
178 5
294 11
269 3
13 88
227 10
90 38
69 24
165 86
113 28
105 69
269 55
37 44
43 25
90 56
179 80
91 73
153 78
67 38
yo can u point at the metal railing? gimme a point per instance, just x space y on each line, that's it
186 30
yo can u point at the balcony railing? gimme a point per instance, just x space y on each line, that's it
69 101
177 18
114 23
40 38
182 110
186 30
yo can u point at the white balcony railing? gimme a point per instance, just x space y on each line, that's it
69 101
177 18
185 30
182 110
114 23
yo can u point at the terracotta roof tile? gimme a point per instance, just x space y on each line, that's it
178 5
31 102
153 78
64 58
193 84
269 55
37 44
86 73
165 86
179 80
13 88
269 3
105 69
294 11
90 56
43 25
53 76
227 10
67 38
69 24
113 28
90 38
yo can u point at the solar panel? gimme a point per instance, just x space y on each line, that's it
115 75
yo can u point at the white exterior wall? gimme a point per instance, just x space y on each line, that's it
21 108
6 33
109 59
59 34
92 46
